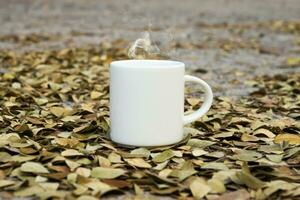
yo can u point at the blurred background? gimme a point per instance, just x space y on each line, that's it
226 42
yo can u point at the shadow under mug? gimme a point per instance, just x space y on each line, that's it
147 102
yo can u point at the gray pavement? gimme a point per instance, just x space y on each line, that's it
194 31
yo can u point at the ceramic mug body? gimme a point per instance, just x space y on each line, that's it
147 102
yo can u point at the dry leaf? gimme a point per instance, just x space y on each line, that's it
71 152
248 179
33 167
196 143
247 155
193 102
216 185
141 151
138 162
114 158
95 94
292 61
186 170
214 165
4 183
199 152
107 173
241 194
265 132
291 138
199 188
57 111
83 171
165 155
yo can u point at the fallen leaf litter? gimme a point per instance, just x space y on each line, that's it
54 119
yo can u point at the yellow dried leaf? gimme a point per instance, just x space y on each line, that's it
186 170
141 152
29 191
165 155
98 187
265 132
291 138
197 143
4 183
107 173
95 94
193 101
214 165
33 167
250 180
161 166
85 172
72 165
165 173
49 186
249 138
73 118
138 191
57 111
8 76
114 158
292 61
216 185
66 142
71 152
198 152
199 188
138 162
87 107
246 155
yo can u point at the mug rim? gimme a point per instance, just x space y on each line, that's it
147 63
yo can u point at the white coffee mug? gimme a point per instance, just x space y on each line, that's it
147 102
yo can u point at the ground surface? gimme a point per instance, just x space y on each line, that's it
54 58
254 41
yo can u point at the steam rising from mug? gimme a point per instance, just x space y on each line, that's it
143 48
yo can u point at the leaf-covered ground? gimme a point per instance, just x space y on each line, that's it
54 120
54 115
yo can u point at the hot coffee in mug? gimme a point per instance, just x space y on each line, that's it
147 102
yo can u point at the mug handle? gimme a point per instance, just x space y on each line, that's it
208 98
